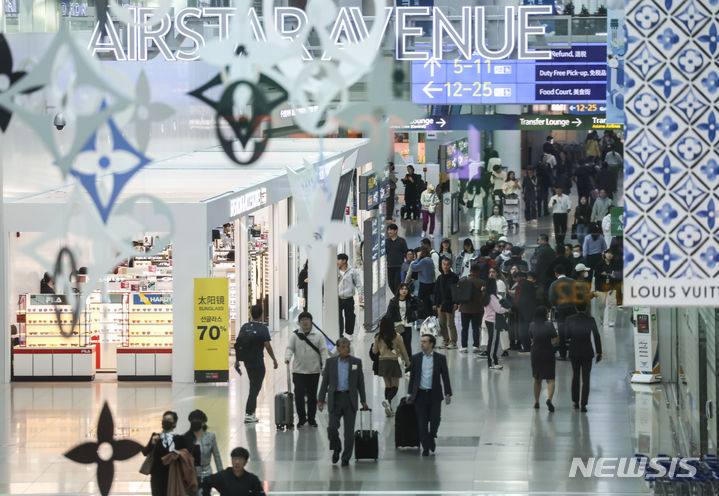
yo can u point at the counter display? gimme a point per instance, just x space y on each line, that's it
127 332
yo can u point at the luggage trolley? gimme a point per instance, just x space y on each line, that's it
511 210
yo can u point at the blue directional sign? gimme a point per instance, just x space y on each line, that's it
574 75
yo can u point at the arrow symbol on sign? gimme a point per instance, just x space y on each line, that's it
577 122
441 122
428 89
432 63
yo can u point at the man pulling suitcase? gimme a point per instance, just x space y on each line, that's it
342 382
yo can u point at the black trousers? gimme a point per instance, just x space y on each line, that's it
493 339
394 277
407 340
412 207
530 209
475 319
347 316
306 388
426 292
560 227
343 410
543 201
581 367
390 204
429 414
256 375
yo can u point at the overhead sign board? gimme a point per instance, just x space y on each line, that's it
569 122
587 108
461 123
573 75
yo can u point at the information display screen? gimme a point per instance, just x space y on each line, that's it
576 74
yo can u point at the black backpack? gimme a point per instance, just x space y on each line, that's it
246 341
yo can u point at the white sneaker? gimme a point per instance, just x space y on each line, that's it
463 350
424 234
387 408
611 324
348 336
496 367
431 236
250 419
451 346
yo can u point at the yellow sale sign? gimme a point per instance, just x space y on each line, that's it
212 329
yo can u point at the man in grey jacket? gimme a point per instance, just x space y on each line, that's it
309 348
342 381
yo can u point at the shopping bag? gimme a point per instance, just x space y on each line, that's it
430 325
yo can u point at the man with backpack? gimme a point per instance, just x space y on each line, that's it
309 348
252 340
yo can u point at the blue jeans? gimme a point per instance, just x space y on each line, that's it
582 231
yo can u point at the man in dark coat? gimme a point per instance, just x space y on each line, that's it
412 189
580 328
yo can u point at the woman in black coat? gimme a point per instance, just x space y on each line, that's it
582 219
404 309
543 336
160 445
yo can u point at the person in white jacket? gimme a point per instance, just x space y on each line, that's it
429 201
607 229
496 223
309 348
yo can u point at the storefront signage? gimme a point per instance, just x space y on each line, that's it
247 202
152 299
74 9
576 74
48 299
570 122
468 37
369 192
212 323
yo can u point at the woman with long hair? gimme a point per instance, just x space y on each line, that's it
543 336
202 445
492 308
389 346
464 260
445 249
403 309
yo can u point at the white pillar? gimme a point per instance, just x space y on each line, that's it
330 310
190 259
414 146
508 143
4 276
242 267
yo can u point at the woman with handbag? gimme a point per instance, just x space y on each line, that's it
403 309
160 445
429 201
389 346
544 337
203 448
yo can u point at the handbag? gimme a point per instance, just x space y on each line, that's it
146 466
398 327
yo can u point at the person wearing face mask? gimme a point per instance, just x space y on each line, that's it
203 446
504 255
160 445
578 258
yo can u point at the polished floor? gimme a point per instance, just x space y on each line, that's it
491 440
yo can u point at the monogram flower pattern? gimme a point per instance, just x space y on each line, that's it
672 193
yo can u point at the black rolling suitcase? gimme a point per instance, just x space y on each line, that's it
366 441
285 406
406 431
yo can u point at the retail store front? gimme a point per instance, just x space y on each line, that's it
137 321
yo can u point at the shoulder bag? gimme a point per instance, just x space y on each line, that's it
146 466
302 337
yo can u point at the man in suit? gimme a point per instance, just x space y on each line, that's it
562 296
425 390
580 328
342 380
